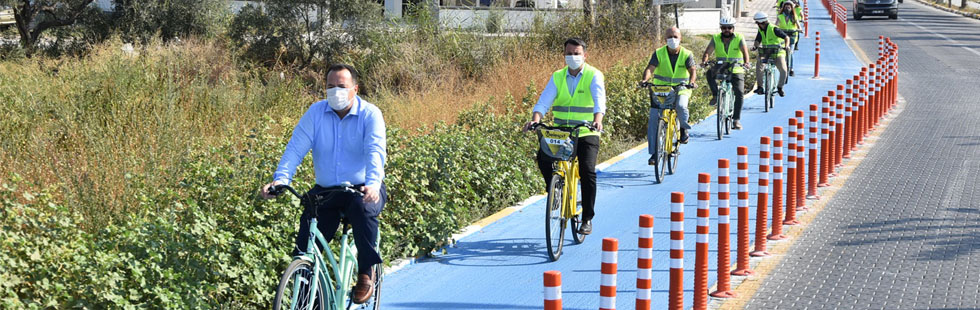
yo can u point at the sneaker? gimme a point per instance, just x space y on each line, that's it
737 125
791 73
652 161
759 90
780 92
586 228
714 100
684 136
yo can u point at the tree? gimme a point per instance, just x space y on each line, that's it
35 16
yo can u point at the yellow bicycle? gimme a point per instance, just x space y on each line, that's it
666 150
562 207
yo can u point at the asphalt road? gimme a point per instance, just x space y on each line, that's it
904 232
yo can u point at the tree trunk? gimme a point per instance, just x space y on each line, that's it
656 21
963 4
30 27
589 11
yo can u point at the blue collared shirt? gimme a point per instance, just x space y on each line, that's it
550 92
344 150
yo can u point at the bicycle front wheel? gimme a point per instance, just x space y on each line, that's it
554 223
720 112
768 87
659 156
296 288
576 223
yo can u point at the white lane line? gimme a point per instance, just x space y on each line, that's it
941 36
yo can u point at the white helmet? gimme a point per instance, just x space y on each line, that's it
727 21
761 17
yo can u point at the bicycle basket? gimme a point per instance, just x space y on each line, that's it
557 144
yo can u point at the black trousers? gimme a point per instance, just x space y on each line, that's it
587 152
738 87
363 218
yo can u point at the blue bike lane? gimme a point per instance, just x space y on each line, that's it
501 265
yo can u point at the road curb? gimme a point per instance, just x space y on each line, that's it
954 11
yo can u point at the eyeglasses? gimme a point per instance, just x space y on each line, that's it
727 27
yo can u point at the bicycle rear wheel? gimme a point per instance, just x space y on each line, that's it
576 223
720 113
554 223
660 157
295 288
672 157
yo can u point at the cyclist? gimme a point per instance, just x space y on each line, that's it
788 22
347 137
770 36
670 65
728 46
575 95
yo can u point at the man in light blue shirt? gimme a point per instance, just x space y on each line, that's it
347 137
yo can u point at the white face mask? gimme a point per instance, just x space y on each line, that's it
673 43
574 61
337 97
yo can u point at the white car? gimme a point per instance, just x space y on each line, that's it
6 18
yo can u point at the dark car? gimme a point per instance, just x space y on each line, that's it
875 8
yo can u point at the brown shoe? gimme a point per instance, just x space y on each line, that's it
364 288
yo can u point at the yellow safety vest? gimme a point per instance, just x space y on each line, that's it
672 76
732 54
572 110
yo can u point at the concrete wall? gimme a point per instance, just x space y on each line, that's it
515 19
700 20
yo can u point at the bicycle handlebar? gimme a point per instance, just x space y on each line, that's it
676 88
586 125
344 187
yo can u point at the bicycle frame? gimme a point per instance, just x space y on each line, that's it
345 265
569 172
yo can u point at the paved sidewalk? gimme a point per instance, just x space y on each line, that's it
904 231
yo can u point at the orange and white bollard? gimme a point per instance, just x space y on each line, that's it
676 292
742 166
777 184
845 135
824 140
644 263
762 203
879 94
800 163
607 289
856 114
701 246
791 174
724 289
837 131
816 57
552 290
811 189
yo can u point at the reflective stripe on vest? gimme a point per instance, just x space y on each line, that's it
571 110
732 54
672 76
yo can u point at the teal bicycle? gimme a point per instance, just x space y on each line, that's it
310 282
767 57
726 98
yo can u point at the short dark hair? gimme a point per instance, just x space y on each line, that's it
575 42
349 68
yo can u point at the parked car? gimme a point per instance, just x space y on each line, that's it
6 18
875 8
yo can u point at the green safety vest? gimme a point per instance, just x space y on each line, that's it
732 54
769 39
570 110
672 76
783 22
